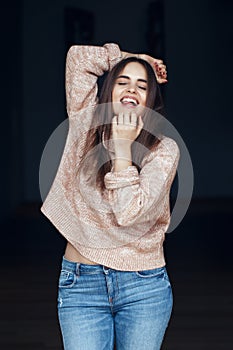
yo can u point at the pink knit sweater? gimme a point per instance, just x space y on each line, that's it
124 228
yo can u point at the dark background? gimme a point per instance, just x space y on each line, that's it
194 38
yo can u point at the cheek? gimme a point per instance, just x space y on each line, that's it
144 98
114 94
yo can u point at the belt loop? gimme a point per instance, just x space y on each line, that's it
78 269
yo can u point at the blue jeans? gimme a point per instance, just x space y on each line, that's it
98 306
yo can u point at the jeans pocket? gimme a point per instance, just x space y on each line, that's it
67 279
166 277
159 272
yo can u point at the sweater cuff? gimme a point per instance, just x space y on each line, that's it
114 54
123 178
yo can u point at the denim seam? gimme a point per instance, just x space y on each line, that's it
150 275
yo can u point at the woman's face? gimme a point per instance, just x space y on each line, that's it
130 89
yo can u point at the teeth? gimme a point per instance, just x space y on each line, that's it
129 100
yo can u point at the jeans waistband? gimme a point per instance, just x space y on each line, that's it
79 268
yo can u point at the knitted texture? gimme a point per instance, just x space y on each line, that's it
124 227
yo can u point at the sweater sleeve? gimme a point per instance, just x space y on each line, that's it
84 64
135 198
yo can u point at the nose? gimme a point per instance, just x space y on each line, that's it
131 89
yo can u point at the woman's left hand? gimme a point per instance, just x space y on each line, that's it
158 66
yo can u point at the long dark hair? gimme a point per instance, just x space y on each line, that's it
100 159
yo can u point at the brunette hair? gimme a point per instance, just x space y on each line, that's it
100 131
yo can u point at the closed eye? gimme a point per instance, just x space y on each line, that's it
140 87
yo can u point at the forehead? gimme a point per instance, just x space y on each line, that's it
134 70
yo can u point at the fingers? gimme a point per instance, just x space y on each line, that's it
114 120
126 126
134 119
158 66
140 123
120 119
158 61
161 72
127 119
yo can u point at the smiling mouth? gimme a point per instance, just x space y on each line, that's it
129 101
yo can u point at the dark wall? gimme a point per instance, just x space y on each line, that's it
199 55
197 36
12 133
198 52
197 42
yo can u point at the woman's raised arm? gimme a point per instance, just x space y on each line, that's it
84 64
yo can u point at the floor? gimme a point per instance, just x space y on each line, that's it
199 261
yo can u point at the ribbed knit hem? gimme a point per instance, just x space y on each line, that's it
116 259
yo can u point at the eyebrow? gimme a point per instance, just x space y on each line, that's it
126 77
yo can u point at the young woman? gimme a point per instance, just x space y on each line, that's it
110 200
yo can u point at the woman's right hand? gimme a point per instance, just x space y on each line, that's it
157 64
126 127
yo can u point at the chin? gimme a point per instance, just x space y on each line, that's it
118 107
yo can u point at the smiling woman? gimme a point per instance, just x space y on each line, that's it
128 94
131 85
113 285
